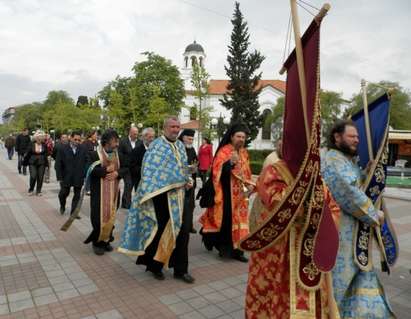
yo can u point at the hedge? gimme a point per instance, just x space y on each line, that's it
258 155
256 167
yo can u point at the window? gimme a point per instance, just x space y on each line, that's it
266 129
193 61
193 113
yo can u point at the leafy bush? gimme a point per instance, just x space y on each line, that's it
258 155
256 167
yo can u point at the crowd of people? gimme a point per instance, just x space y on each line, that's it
163 173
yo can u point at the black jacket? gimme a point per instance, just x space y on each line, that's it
136 160
22 144
33 158
70 167
125 150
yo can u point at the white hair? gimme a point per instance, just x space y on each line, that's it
147 130
170 118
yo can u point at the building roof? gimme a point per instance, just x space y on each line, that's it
193 124
219 87
194 47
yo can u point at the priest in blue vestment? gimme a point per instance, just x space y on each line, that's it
357 289
156 214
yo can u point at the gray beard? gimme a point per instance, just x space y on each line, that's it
189 145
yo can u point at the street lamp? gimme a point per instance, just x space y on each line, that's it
220 125
140 126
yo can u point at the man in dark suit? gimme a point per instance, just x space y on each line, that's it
125 148
22 146
136 156
70 170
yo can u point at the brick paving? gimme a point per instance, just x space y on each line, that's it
46 273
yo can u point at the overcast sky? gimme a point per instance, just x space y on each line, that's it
79 45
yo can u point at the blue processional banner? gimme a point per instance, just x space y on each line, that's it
375 181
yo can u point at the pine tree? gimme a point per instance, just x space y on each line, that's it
243 91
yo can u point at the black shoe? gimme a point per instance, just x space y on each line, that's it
99 251
62 210
78 217
187 278
193 231
158 275
108 248
241 258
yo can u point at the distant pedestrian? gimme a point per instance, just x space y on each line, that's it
205 158
22 146
125 148
71 170
36 158
10 143
59 144
90 144
136 156
50 145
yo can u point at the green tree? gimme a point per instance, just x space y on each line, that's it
156 77
199 80
28 115
400 111
157 112
331 109
116 112
243 91
55 97
82 100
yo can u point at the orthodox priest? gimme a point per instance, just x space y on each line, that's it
187 137
357 289
226 222
104 173
156 214
272 289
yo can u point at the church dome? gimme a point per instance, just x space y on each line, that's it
194 47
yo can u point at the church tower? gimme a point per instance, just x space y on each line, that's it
194 53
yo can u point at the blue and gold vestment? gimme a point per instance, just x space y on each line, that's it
164 169
358 292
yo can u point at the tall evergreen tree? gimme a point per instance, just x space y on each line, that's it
243 90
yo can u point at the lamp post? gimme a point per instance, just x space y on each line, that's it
220 124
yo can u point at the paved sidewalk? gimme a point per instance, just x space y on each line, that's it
46 273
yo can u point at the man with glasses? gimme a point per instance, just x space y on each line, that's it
70 170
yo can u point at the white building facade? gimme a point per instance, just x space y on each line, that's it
271 90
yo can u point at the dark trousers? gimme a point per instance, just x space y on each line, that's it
63 194
203 176
179 258
36 177
20 164
10 152
162 215
128 187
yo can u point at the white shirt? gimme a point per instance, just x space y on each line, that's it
133 143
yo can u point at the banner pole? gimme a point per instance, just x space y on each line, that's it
300 66
367 120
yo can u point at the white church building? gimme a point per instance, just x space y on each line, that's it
271 90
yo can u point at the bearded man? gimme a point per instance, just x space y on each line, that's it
357 291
